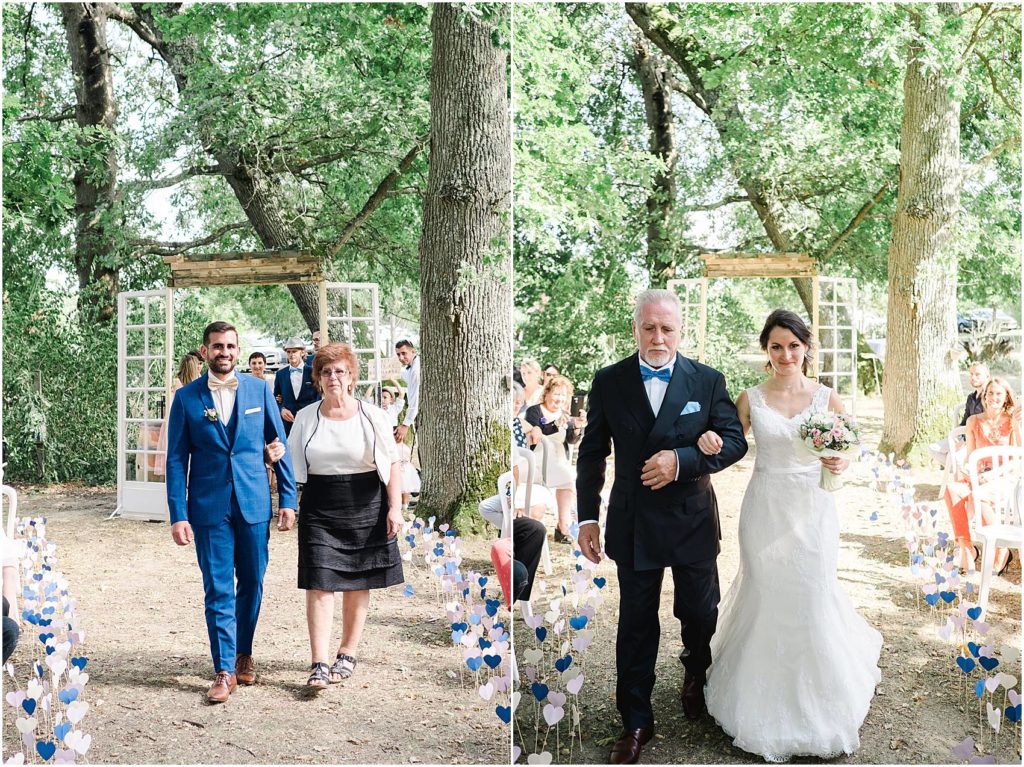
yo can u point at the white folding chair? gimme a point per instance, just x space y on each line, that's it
525 458
955 440
995 489
12 510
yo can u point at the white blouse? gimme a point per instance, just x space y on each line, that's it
340 447
377 438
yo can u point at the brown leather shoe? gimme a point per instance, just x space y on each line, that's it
222 687
245 669
693 696
629 745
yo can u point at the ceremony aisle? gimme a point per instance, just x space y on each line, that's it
922 710
139 598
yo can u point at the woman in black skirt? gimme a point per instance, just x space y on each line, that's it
350 513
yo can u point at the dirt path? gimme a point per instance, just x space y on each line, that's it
140 603
918 713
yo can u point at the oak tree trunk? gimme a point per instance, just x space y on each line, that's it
465 269
921 384
661 202
95 181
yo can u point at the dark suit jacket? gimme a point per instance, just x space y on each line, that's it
678 524
283 386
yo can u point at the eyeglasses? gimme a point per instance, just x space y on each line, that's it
334 374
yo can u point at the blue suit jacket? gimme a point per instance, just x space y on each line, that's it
283 386
206 464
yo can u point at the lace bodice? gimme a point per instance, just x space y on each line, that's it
776 436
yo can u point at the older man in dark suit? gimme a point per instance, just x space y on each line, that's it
652 407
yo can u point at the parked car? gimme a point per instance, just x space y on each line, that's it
274 359
983 319
964 324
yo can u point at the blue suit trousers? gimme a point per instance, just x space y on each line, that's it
233 558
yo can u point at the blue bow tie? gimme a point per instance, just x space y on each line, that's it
646 374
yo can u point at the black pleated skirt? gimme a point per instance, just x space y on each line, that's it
343 543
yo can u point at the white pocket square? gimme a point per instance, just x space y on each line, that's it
253 410
691 407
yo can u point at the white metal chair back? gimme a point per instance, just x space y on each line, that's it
12 510
956 440
995 473
524 457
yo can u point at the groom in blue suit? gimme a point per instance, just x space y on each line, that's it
219 496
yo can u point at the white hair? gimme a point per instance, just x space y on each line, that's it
657 296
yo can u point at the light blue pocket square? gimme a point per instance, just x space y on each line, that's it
691 407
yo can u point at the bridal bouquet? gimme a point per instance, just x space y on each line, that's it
825 434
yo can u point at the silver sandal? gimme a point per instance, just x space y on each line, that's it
342 668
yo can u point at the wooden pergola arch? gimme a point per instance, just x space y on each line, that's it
773 266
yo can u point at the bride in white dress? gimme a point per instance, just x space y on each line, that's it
794 667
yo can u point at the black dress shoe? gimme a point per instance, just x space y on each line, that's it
629 745
693 696
560 537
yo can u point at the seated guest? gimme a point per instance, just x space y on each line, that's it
979 376
533 380
998 424
9 556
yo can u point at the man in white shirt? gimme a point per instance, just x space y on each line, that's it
406 353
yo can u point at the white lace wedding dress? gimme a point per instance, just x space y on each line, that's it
794 667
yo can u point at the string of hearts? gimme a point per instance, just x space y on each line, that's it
947 596
554 666
48 698
479 624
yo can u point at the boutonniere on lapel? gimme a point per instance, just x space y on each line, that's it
211 414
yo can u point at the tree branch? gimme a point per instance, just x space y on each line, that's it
973 170
986 11
731 199
857 220
157 248
68 113
148 185
995 86
379 195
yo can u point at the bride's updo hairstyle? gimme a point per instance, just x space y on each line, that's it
791 321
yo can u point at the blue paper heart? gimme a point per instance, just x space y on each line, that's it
484 643
460 626
579 568
563 663
49 610
947 596
491 606
474 618
988 663
451 568
974 612
457 636
438 550
49 650
600 582
943 538
37 576
79 663
579 622
874 516
979 688
973 647
939 579
61 730
482 580
67 697
504 713
966 664
541 633
45 622
932 599
29 705
474 663
46 749
540 691
409 590
492 661
44 637
1013 713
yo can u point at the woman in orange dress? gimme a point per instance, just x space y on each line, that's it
997 425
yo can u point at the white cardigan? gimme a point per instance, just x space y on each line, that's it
375 421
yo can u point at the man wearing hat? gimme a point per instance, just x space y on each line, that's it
293 385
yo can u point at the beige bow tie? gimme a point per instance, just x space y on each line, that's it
216 384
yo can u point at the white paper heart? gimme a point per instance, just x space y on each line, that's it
995 716
516 697
25 724
553 714
574 685
541 758
486 691
77 710
34 689
56 664
556 698
533 655
18 758
992 683
79 741
15 699
1006 680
